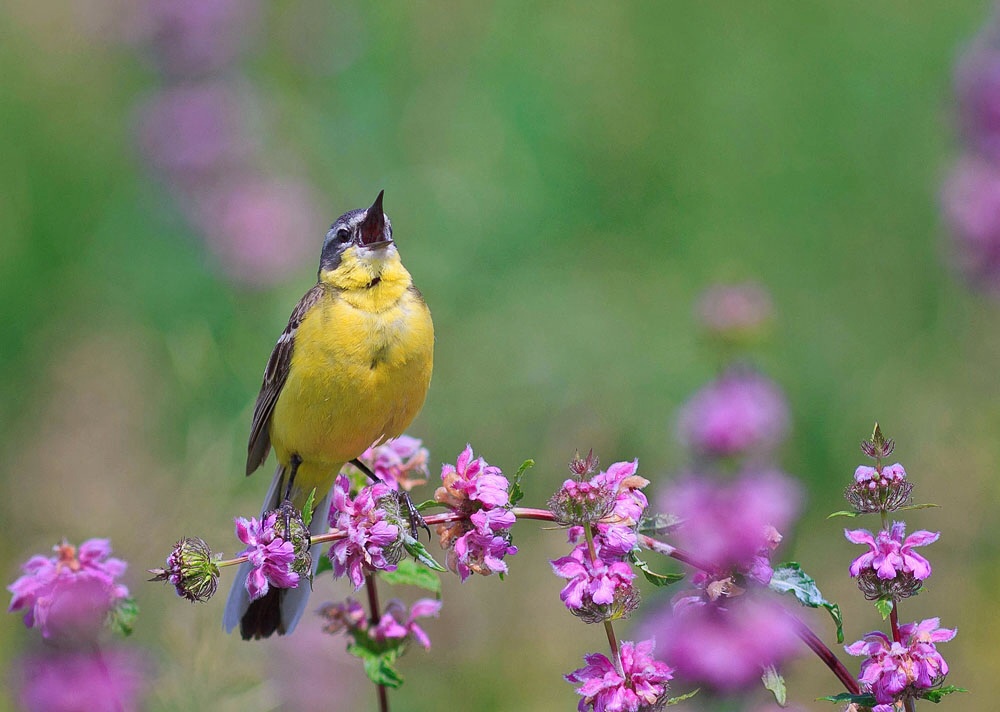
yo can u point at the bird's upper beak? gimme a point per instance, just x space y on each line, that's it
372 229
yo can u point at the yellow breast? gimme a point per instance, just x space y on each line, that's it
359 373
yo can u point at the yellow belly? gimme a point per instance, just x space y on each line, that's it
356 378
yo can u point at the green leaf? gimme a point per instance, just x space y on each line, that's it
516 492
657 579
884 606
324 565
122 617
378 664
917 506
685 696
417 550
790 578
774 682
843 513
427 504
409 573
308 507
937 694
659 524
866 700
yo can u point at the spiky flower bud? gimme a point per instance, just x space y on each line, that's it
582 467
580 503
191 569
626 599
878 446
290 527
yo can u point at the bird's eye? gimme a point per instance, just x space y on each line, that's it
343 235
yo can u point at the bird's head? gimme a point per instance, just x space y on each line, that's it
358 248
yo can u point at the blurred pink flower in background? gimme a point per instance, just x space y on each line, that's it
742 412
971 199
104 681
735 310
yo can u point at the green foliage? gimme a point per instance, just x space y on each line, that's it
121 618
685 696
308 507
419 552
938 693
866 700
657 579
774 682
884 606
411 573
516 491
790 578
378 660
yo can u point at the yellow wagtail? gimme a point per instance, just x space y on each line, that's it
350 370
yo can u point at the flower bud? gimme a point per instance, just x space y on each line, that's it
190 569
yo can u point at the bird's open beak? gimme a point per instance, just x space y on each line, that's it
372 228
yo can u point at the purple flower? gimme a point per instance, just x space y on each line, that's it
889 554
971 198
895 670
741 412
72 592
879 491
481 549
610 497
723 647
478 541
399 623
597 589
371 521
640 685
191 569
103 681
400 462
977 85
735 311
270 556
731 525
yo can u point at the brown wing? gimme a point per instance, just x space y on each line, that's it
274 379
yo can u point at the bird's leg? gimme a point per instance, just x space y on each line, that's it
412 515
293 468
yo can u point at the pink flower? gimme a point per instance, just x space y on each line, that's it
889 554
399 623
592 582
731 524
72 592
73 681
894 670
373 536
971 198
478 541
640 685
741 412
735 310
270 556
723 647
400 462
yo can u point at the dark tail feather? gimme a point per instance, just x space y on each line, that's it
263 617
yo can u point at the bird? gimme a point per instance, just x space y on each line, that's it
350 371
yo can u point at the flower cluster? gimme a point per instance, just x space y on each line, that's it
395 627
604 512
271 557
890 569
479 538
401 462
878 489
893 671
202 135
639 684
72 592
741 413
70 598
971 193
373 526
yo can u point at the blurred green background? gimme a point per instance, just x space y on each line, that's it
563 180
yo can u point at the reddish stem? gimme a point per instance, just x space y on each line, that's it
373 616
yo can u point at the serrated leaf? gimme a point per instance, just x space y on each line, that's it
516 492
417 550
659 524
409 573
774 682
843 513
866 700
884 606
937 694
917 506
307 508
685 696
790 578
121 618
378 664
655 578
